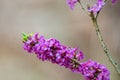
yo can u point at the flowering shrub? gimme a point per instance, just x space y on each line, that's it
55 52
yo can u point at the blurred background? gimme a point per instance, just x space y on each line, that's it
53 18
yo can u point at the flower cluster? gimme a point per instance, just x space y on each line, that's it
94 9
113 1
97 7
52 50
71 3
94 71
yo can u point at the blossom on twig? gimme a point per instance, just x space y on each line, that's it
92 70
71 3
97 7
52 50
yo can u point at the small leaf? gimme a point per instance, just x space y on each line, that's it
25 36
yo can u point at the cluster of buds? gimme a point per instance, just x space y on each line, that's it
92 70
52 50
94 9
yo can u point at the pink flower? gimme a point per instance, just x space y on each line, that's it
71 3
92 70
52 50
113 1
97 7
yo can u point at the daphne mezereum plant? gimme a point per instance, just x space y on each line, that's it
52 50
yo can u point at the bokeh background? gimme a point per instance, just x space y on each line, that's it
53 18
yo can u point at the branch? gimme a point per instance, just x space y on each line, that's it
83 7
103 45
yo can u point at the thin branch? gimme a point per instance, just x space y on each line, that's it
98 32
76 61
83 7
106 0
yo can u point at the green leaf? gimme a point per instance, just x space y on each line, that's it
25 36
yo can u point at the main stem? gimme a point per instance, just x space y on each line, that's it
98 32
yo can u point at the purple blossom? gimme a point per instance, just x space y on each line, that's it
52 50
94 71
113 1
97 7
71 3
30 42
